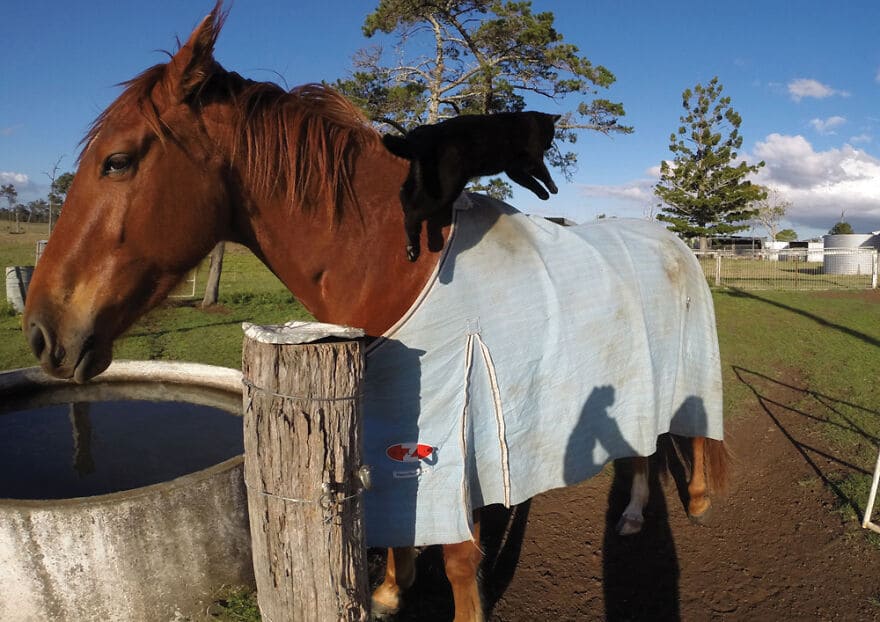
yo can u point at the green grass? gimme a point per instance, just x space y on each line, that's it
236 605
758 274
179 329
795 358
19 249
855 486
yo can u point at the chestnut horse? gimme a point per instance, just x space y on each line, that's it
190 154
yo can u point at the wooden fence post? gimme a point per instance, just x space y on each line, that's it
875 267
302 439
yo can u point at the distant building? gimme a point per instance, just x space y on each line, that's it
560 220
735 243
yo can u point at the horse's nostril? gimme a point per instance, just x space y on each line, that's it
58 355
37 340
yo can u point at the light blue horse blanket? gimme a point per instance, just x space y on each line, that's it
535 354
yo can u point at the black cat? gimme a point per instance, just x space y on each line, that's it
446 155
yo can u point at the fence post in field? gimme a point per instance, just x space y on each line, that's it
875 268
303 470
718 270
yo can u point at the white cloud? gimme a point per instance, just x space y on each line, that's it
807 87
639 191
654 171
821 184
861 138
18 179
826 126
636 193
877 77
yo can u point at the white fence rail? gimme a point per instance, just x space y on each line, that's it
791 269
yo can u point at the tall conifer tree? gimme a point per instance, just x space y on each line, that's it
703 192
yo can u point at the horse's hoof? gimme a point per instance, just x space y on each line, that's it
382 612
630 525
703 517
412 252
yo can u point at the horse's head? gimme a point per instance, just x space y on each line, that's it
148 201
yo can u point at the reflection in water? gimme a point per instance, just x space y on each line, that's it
114 445
83 463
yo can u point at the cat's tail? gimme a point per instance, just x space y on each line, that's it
399 146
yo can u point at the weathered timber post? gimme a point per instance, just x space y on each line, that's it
302 442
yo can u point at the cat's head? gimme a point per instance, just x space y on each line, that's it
547 128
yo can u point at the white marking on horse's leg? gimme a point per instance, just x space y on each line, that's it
400 574
632 519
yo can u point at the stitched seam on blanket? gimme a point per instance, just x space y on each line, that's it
499 419
465 476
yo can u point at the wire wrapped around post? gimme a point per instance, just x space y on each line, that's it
305 478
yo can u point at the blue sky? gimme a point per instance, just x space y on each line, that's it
805 76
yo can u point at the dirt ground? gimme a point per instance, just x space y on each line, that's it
774 549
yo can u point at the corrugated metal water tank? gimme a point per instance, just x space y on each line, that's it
850 253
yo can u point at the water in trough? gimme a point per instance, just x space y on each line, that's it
82 442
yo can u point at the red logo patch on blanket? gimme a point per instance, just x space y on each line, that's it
409 452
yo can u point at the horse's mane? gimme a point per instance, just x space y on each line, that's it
301 143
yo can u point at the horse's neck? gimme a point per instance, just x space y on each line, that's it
348 266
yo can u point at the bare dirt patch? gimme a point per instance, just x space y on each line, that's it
776 548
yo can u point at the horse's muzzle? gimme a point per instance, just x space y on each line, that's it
80 363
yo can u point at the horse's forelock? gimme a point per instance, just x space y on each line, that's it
136 98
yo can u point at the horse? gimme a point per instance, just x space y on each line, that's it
190 154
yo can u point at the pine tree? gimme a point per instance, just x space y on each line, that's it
703 192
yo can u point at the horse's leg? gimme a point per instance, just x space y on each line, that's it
412 217
526 181
413 223
400 573
539 170
698 488
632 519
462 562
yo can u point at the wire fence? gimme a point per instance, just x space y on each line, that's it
797 269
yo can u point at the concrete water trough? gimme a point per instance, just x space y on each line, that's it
128 548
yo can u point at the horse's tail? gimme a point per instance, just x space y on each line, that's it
717 460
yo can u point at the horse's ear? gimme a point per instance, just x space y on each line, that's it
194 61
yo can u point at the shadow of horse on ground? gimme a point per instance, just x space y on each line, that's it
783 401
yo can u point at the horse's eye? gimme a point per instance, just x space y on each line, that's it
117 163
